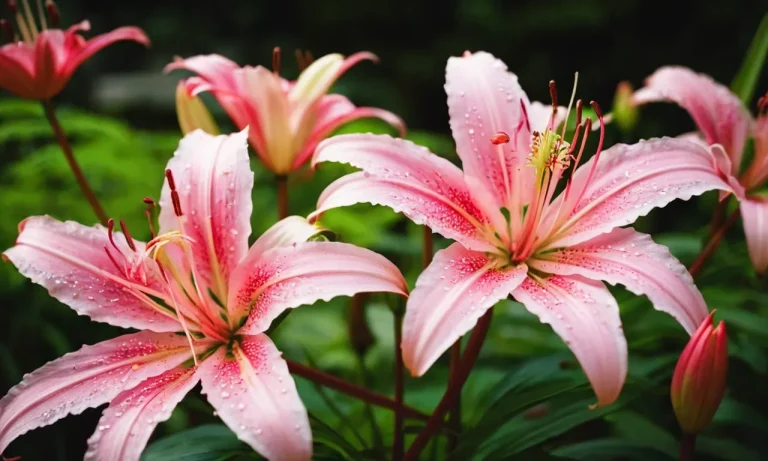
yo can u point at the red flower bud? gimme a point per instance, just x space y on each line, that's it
698 384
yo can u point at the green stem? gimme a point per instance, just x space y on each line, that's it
282 196
378 442
61 138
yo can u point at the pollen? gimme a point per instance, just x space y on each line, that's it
549 151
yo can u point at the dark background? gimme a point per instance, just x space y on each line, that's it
123 153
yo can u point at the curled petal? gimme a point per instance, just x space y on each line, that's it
632 259
628 182
754 215
452 293
286 232
214 68
71 262
484 99
18 64
79 51
87 378
316 79
585 314
214 182
128 422
304 273
405 177
255 395
719 114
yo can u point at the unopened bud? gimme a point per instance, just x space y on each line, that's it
698 384
624 110
192 113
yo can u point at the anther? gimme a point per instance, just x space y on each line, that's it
300 60
6 31
553 95
762 103
598 112
148 213
169 177
13 7
127 235
579 108
276 60
53 13
500 138
174 193
308 58
149 202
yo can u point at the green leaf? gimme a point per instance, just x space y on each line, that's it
725 449
746 79
608 449
210 442
328 442
636 428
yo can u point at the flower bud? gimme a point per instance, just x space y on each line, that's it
192 113
698 384
624 110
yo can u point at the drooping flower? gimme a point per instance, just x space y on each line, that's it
203 301
723 120
513 235
38 62
698 384
287 119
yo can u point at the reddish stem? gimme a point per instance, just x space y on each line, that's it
282 196
454 418
713 243
61 137
353 390
687 447
435 421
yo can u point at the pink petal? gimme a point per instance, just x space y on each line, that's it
69 260
286 232
79 54
754 215
719 114
628 182
757 173
214 180
47 78
408 178
586 316
87 378
17 62
632 259
126 425
484 99
255 395
450 296
304 273
215 69
539 114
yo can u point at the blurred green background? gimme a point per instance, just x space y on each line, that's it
119 111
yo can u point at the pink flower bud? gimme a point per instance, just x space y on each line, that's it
698 384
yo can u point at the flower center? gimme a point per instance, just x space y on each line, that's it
26 25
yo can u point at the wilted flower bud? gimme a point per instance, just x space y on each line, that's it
192 113
698 384
624 110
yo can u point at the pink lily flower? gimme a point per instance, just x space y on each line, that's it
287 119
722 119
513 236
203 301
39 62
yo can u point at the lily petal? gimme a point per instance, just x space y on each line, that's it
484 99
719 114
255 395
70 261
79 51
632 259
754 216
406 177
304 273
126 425
17 62
214 180
213 68
286 232
452 293
628 182
87 378
586 316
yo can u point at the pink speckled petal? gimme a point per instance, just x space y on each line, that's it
721 117
70 261
286 232
585 315
484 99
450 296
754 215
303 273
632 259
126 425
255 395
214 180
87 378
405 177
628 182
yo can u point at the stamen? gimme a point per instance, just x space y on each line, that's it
6 30
579 107
127 234
500 138
148 213
553 96
300 60
308 58
30 20
112 258
525 116
53 13
276 60
599 114
174 193
762 104
570 103
41 13
13 7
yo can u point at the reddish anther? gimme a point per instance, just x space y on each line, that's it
127 234
553 94
276 60
6 30
53 13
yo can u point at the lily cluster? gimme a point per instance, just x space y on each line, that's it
533 215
